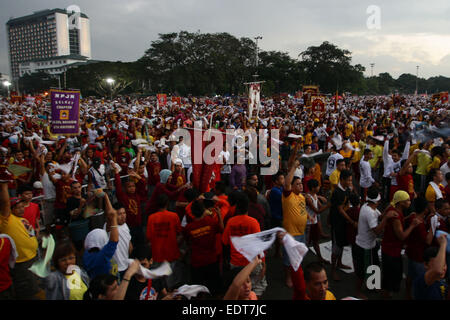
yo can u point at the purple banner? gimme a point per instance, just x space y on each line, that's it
65 117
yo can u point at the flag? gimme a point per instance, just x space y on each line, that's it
162 100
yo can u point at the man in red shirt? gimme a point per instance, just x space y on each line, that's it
163 233
153 170
240 225
63 192
130 199
32 212
416 243
392 244
201 235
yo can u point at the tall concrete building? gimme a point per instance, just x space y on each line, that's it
45 35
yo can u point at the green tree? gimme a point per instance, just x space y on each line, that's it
330 67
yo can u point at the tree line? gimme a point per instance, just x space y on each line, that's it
188 63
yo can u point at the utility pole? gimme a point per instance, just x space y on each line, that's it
417 80
257 57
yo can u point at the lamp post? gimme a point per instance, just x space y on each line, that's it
7 84
417 80
257 57
110 82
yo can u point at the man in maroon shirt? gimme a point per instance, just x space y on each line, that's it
416 243
201 235
161 188
130 199
153 170
392 244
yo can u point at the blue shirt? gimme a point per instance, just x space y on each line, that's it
97 263
437 291
276 207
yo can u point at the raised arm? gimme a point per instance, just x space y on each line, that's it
242 276
433 274
5 208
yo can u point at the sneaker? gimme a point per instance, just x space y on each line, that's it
5 175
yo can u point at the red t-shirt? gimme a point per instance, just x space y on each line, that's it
5 275
202 237
162 230
239 226
415 243
391 245
123 160
298 283
32 214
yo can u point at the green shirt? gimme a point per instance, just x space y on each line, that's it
423 160
377 153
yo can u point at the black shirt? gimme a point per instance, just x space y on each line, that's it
138 290
339 197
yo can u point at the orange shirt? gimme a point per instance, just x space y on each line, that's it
162 230
239 226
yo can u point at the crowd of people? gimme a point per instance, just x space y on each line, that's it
100 210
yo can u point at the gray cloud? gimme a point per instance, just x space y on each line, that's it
124 30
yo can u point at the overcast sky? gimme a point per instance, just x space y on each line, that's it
412 32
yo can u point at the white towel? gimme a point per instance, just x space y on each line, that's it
296 251
255 244
190 291
161 271
434 221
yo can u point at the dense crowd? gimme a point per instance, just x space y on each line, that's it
105 213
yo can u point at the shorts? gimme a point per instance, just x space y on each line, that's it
339 236
363 258
392 273
300 238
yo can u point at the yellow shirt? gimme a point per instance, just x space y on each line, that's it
76 285
436 164
377 153
347 154
22 232
329 296
308 138
423 161
348 129
357 154
430 194
334 179
294 214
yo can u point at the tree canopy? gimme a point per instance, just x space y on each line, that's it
186 63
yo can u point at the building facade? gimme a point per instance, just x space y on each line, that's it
46 35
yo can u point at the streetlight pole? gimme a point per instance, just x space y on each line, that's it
417 80
7 84
257 56
111 82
